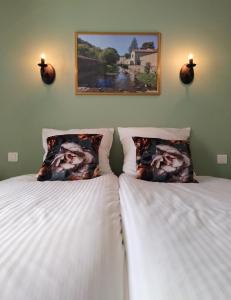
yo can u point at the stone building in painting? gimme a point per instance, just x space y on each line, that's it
122 60
137 54
151 59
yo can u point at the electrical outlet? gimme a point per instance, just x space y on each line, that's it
12 156
222 159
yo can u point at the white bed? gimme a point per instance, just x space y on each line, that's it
61 240
178 239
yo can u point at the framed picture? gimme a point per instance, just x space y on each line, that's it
117 63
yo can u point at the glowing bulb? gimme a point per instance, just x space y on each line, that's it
190 56
43 56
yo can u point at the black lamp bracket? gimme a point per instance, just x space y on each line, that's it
187 72
47 72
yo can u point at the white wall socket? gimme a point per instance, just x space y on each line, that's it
222 159
13 156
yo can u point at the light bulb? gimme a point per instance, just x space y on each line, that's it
190 56
43 56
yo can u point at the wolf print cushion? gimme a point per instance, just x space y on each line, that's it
71 157
163 160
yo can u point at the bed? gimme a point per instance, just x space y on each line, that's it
61 240
178 238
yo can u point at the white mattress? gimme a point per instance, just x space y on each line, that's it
178 239
60 240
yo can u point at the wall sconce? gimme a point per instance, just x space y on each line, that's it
47 71
187 72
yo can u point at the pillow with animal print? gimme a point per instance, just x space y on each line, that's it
163 160
71 157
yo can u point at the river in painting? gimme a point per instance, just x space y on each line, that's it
121 81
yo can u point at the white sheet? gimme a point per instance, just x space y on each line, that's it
178 239
60 240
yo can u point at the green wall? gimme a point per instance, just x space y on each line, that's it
29 27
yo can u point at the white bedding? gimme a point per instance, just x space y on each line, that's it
178 239
60 240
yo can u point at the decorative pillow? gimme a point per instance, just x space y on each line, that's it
163 160
71 157
129 149
104 149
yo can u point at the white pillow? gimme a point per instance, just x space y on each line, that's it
129 149
104 149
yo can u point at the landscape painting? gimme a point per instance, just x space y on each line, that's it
117 63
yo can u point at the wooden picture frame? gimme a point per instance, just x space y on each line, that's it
103 67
